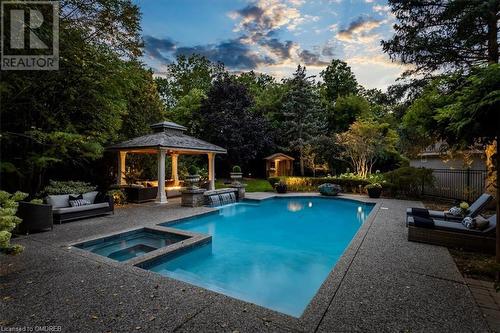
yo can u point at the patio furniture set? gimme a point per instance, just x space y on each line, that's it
470 231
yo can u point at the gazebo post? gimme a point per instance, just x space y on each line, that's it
175 175
121 167
211 171
161 197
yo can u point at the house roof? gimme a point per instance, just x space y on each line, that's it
441 148
168 135
279 156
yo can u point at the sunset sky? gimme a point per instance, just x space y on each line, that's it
273 36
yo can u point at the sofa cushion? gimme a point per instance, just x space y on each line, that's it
90 196
65 210
58 201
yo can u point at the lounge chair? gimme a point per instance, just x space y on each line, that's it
452 234
474 210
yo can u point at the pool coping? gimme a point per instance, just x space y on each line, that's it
316 308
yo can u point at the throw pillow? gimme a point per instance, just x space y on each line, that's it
455 211
76 201
481 223
469 222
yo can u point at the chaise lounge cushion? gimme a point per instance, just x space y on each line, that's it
64 210
458 227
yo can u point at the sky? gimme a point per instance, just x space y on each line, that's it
273 36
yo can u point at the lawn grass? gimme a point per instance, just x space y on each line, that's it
253 185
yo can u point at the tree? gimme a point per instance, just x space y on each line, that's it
302 114
365 142
444 35
346 111
226 120
186 74
187 110
99 95
338 81
450 35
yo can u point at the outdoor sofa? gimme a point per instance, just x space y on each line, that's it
452 234
474 210
101 204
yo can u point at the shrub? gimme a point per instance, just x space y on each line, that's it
9 220
119 197
374 185
408 181
273 180
237 169
193 170
37 201
67 187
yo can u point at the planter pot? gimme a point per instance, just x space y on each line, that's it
192 181
374 192
281 188
236 177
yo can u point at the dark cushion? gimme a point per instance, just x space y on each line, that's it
423 222
422 212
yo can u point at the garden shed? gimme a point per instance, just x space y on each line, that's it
279 164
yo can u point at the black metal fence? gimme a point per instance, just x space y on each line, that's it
459 184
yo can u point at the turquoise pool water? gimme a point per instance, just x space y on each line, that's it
276 253
129 245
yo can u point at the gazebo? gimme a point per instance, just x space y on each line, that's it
168 139
279 164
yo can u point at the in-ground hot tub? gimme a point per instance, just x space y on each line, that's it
131 244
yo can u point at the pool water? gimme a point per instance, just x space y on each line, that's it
276 253
129 245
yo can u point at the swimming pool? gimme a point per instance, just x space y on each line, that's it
275 253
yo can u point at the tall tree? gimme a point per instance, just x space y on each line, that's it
449 35
302 114
443 35
226 120
186 74
338 81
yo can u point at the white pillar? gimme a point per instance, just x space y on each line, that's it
175 175
121 168
211 171
161 196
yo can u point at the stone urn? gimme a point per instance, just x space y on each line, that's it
236 177
192 181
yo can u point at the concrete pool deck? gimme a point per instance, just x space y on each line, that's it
382 283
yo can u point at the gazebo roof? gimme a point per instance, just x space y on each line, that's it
280 156
168 135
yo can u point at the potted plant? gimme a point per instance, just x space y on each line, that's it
236 174
374 190
281 187
193 177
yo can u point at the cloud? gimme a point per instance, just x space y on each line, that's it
265 16
157 48
381 9
358 29
311 58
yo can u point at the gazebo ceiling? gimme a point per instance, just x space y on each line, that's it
170 136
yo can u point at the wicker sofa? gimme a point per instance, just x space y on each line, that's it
61 210
453 234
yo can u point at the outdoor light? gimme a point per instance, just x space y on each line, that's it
310 204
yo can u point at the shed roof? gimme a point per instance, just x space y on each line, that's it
279 156
168 135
